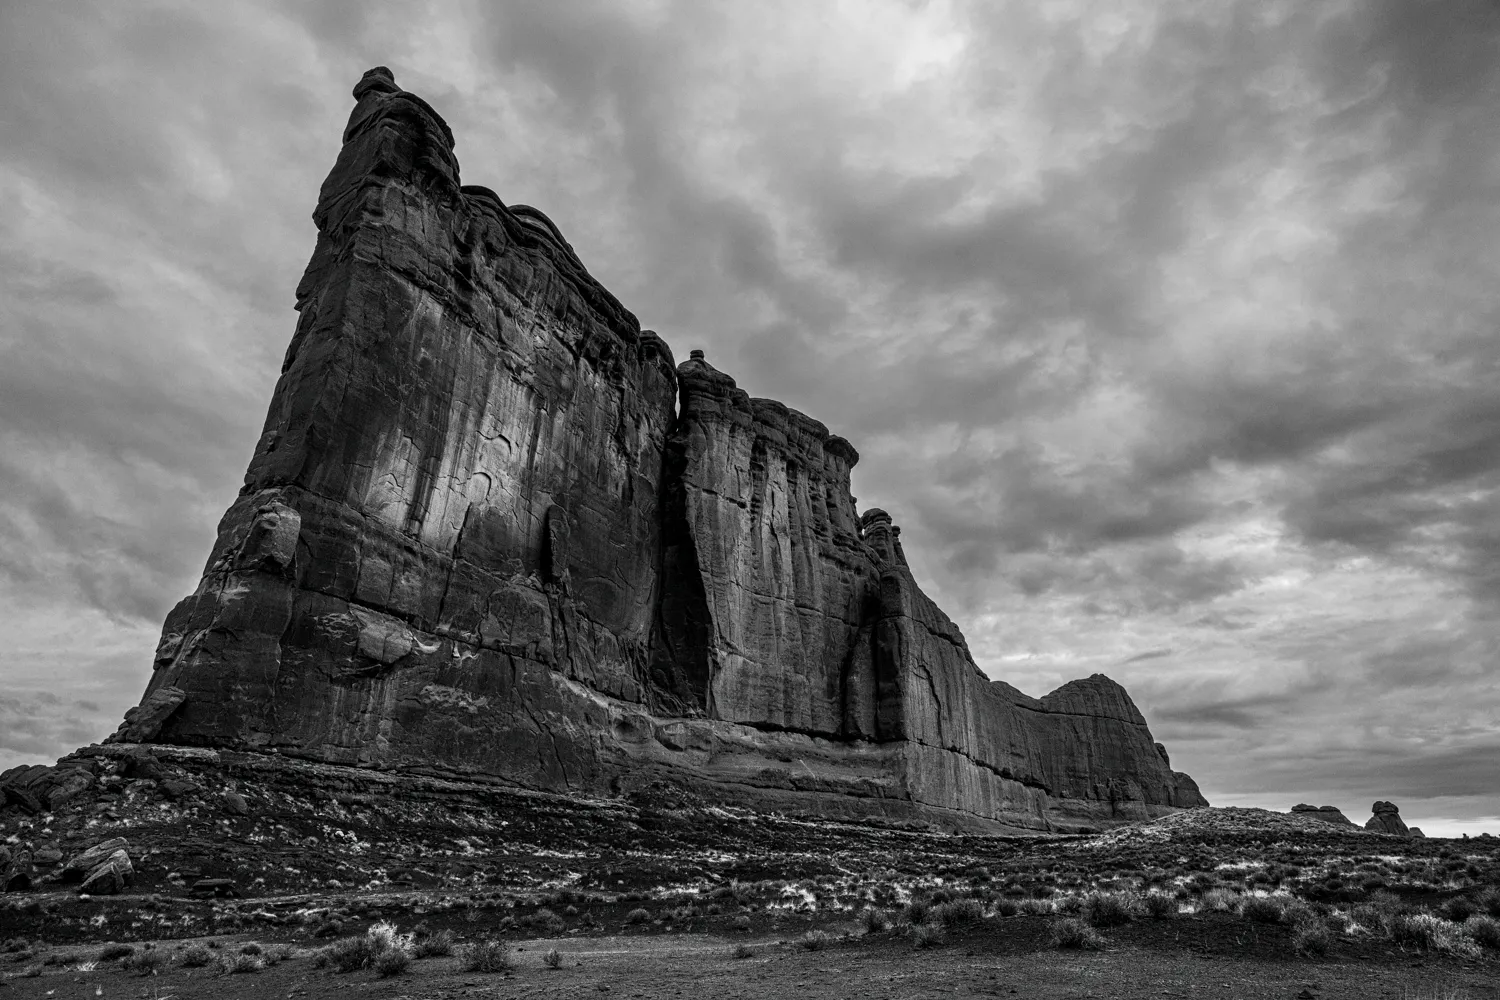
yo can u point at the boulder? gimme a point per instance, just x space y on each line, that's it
235 804
85 861
208 888
1328 814
109 877
549 533
1386 818
177 788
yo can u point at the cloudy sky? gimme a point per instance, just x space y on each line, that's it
1167 329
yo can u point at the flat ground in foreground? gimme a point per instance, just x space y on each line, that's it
1004 959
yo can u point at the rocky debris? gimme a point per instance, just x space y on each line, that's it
177 788
1387 819
555 557
110 876
1328 814
143 722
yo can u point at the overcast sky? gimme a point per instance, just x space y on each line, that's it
1167 331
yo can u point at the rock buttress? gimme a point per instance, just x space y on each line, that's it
475 537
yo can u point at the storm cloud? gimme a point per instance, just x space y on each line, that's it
1167 333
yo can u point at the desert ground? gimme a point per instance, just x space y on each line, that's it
256 876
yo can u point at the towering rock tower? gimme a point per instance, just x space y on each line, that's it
492 528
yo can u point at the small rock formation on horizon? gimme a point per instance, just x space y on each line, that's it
1328 814
491 528
1386 818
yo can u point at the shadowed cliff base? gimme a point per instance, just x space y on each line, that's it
492 528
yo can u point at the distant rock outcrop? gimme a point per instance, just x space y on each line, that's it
1387 819
491 527
1328 814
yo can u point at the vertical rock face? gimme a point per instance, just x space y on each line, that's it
490 527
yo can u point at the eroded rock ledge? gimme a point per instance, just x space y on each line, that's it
491 527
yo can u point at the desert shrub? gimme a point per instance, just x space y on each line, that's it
1072 933
1008 907
742 951
1109 909
251 949
32 971
916 912
639 915
195 956
959 911
392 961
112 951
349 954
1489 902
384 937
1423 930
874 921
1459 908
926 935
545 920
1311 937
486 956
1034 907
433 945
1067 904
1262 909
15 944
1485 931
553 959
741 922
1160 905
979 873
1220 900
814 941
145 963
235 964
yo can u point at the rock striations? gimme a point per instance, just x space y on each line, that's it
492 528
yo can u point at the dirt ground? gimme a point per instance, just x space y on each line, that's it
984 962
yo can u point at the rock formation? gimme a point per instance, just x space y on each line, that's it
1328 814
1386 818
492 528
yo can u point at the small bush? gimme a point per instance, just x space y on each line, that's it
926 935
1109 909
1484 930
553 959
1005 906
916 912
1067 904
742 951
874 921
1072 933
639 915
814 941
1460 908
487 956
1034 907
32 971
1261 909
392 961
1311 937
350 954
960 911
1489 902
230 964
434 945
1220 900
1159 905
195 956
110 952
1423 930
547 921
251 949
145 963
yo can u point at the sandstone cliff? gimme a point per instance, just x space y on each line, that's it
490 527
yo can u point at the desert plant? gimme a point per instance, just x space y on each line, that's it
1006 906
549 922
1072 933
639 915
1311 937
1219 900
1070 903
926 935
195 956
112 951
814 941
1262 909
1034 907
392 961
742 951
235 964
875 920
145 963
32 971
916 912
1160 905
1489 902
434 945
1485 931
959 911
1423 930
1109 909
251 949
1459 908
349 954
487 956
553 959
